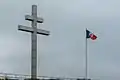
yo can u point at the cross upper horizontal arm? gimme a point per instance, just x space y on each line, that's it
31 18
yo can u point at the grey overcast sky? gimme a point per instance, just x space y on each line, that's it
62 54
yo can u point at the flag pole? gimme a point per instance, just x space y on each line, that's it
86 58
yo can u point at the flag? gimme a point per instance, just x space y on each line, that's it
90 35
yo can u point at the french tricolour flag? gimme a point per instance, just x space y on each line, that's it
90 35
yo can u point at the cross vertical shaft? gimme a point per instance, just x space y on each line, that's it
34 44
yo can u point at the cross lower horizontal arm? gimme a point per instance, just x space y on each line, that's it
30 29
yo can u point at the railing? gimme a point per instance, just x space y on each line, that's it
22 77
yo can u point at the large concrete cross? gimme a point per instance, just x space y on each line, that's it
34 32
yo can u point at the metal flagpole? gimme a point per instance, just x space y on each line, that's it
86 58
